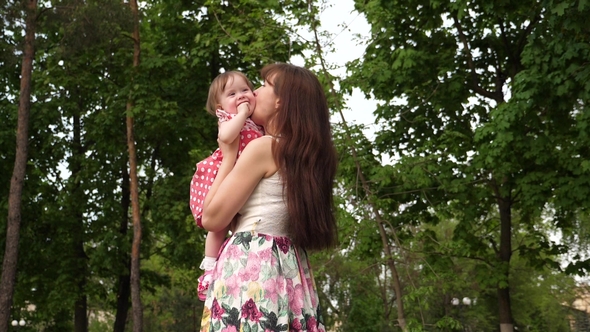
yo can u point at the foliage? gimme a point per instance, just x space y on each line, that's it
174 306
479 102
75 215
482 110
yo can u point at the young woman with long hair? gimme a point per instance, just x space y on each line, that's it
281 190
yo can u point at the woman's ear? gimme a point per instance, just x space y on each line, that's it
277 103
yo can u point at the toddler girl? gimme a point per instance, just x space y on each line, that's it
232 100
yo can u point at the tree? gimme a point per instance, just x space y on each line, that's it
75 216
463 113
77 201
9 263
435 200
134 185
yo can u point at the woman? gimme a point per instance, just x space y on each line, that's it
281 186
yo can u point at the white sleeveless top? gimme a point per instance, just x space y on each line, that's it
265 211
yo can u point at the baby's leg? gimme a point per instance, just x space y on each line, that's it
213 243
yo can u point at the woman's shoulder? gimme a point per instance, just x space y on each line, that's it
259 153
260 146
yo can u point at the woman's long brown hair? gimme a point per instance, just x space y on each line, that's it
305 154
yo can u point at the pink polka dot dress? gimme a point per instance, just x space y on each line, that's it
207 168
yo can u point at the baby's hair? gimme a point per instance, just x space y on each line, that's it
218 85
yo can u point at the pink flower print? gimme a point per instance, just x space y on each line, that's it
230 328
312 324
295 297
280 282
295 326
252 269
253 266
250 311
271 290
233 284
283 243
265 255
233 251
216 310
272 287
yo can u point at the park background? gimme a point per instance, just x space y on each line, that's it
463 132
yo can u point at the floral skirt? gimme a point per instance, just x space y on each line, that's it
261 283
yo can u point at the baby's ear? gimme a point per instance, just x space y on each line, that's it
218 107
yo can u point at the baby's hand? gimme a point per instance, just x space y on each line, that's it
244 108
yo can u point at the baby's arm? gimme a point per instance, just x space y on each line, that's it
229 130
214 242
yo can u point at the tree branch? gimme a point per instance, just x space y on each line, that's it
474 80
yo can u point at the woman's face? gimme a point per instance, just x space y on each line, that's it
266 104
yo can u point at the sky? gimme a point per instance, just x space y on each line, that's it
344 23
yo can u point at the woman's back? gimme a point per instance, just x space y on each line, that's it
265 210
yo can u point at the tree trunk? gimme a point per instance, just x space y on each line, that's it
506 324
77 202
397 285
135 249
124 288
81 308
122 302
9 262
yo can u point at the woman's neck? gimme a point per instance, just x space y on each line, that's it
270 131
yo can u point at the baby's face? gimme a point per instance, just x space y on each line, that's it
235 93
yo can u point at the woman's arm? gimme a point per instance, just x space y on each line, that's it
233 185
